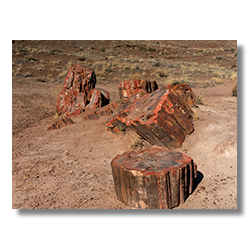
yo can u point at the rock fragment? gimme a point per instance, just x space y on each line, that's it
60 123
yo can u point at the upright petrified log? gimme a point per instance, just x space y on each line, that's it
76 92
153 178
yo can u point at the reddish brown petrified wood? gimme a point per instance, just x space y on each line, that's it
128 88
163 118
60 123
76 92
153 178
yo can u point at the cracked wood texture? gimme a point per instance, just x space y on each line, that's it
129 88
77 90
186 93
163 117
99 98
153 178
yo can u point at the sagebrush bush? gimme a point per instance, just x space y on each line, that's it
198 99
234 90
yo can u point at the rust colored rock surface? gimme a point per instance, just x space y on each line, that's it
162 118
186 93
153 178
60 123
130 87
76 92
99 98
103 111
114 122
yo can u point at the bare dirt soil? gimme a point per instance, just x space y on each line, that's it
70 167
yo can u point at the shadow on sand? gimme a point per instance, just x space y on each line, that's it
198 179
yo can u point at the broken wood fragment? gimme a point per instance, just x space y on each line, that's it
60 123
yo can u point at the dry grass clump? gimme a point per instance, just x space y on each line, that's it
63 74
234 76
217 80
138 143
234 90
198 99
56 91
134 76
39 67
159 73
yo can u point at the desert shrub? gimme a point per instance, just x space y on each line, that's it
198 99
217 80
138 143
134 76
63 74
160 73
234 90
39 67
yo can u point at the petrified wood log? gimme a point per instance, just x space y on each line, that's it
128 88
99 98
103 111
153 178
60 123
162 118
76 92
186 93
114 123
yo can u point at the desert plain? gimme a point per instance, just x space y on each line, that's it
69 168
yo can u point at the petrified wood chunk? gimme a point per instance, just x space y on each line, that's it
153 178
60 123
186 93
162 118
128 88
116 122
76 92
103 111
99 98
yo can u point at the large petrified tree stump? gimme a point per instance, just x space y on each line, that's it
153 178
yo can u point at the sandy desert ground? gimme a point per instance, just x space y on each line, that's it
70 167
